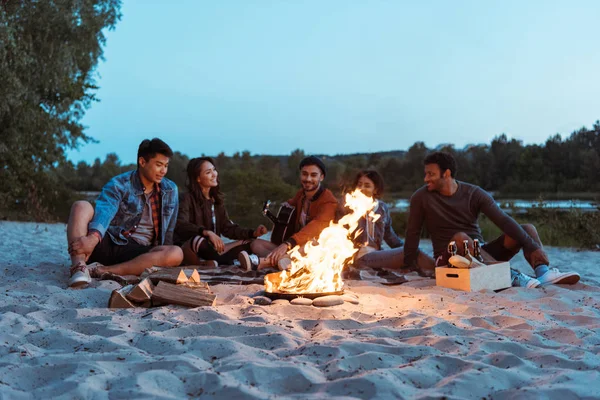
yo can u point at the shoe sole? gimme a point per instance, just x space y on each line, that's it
564 280
533 284
244 259
79 285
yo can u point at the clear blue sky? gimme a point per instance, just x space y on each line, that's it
343 76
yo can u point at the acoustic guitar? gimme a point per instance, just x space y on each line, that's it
283 222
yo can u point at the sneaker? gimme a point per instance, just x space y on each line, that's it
80 276
249 262
554 276
519 279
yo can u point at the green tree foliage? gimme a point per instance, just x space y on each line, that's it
48 54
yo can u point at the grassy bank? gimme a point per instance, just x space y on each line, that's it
569 228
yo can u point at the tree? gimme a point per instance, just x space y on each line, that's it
48 54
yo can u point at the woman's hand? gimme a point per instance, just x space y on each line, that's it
261 230
216 241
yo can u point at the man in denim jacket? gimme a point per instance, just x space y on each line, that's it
132 226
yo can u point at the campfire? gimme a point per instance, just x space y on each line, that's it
316 270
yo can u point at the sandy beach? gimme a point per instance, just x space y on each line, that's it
413 340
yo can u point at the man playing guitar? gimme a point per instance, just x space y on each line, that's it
315 209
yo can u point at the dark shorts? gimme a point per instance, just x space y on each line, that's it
109 253
495 248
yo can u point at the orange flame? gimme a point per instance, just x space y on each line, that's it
317 268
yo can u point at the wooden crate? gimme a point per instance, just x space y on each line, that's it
493 276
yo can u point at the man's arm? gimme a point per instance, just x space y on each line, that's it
313 229
506 224
416 216
232 230
107 206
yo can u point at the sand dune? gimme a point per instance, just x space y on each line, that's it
414 340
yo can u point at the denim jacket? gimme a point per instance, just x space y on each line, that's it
374 233
121 203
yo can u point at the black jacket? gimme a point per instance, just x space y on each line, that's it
195 216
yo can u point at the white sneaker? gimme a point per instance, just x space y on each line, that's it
80 276
554 276
519 279
249 262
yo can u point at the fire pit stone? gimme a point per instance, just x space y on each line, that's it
301 301
328 301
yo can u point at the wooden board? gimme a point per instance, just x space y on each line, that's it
167 293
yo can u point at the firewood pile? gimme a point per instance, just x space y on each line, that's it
162 286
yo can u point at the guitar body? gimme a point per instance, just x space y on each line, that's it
283 222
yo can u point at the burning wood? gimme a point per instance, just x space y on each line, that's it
317 268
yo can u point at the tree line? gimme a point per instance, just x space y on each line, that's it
506 167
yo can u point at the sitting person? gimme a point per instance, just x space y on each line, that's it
203 219
315 209
373 233
449 209
131 228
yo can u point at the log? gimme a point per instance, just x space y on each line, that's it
148 271
170 275
202 286
142 292
193 275
118 298
167 293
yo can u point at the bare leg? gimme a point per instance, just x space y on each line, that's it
512 244
82 213
163 256
261 247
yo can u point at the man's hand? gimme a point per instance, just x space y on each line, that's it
216 241
277 254
538 257
83 245
261 230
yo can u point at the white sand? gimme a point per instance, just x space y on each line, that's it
409 341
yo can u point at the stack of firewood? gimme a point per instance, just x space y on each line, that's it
162 286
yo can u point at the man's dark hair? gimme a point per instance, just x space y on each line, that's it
149 148
443 160
312 160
